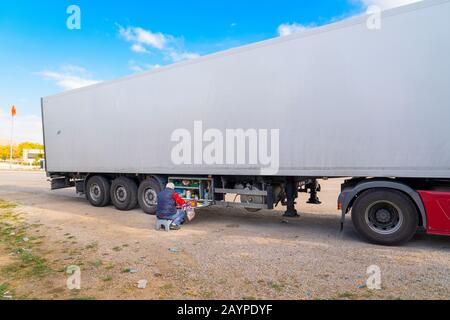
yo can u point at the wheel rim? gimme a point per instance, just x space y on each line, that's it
150 197
384 217
95 192
121 194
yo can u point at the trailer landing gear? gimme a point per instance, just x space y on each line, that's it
290 195
314 188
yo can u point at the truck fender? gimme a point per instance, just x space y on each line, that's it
349 194
159 179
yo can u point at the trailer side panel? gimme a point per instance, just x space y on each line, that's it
349 101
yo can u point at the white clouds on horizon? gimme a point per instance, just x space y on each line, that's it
138 67
28 127
143 41
141 38
181 56
138 48
286 29
386 4
69 77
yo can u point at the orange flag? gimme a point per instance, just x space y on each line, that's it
13 111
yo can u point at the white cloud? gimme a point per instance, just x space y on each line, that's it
138 48
181 56
141 37
138 67
70 68
69 77
67 82
286 29
143 41
156 40
27 127
387 4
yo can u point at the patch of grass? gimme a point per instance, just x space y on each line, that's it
3 289
107 278
74 252
91 246
7 205
190 294
13 236
277 286
29 265
167 286
8 215
97 264
207 295
82 298
117 249
110 266
346 295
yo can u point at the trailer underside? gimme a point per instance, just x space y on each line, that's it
387 204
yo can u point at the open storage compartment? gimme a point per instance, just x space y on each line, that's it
199 189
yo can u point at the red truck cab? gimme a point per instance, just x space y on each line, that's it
437 208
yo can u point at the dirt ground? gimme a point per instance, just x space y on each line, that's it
223 254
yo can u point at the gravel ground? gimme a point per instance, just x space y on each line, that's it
223 254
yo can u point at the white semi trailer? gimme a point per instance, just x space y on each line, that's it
268 120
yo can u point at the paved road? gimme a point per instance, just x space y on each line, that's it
227 253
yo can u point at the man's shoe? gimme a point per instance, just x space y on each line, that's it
174 227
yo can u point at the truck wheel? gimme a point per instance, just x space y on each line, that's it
97 191
148 195
386 217
124 194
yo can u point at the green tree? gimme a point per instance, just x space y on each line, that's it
4 152
18 150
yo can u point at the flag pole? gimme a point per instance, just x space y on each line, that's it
12 139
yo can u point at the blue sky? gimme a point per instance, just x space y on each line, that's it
40 56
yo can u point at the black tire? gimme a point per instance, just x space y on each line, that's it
384 216
98 191
124 194
148 195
